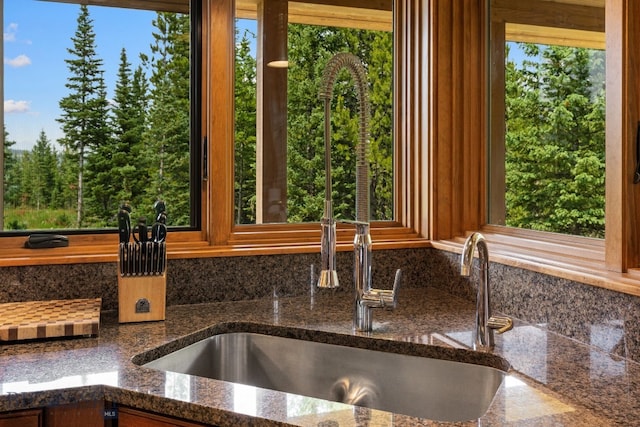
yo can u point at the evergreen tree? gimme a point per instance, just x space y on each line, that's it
67 194
381 125
27 177
43 168
11 182
139 109
555 141
305 149
114 166
167 139
84 110
245 135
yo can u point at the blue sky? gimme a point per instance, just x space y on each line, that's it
36 36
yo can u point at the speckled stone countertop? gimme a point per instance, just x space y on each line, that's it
553 381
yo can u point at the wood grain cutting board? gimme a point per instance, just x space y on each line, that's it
48 319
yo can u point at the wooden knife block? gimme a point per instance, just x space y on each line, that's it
142 299
142 282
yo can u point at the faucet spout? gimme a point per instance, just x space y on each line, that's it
485 322
328 270
328 275
366 297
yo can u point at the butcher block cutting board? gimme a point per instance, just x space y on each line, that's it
49 319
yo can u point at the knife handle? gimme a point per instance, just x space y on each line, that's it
141 231
124 226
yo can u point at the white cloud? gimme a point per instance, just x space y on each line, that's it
10 33
12 106
18 61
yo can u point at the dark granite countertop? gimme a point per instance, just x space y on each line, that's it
553 381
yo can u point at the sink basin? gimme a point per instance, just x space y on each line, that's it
426 387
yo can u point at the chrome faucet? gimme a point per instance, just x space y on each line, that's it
366 298
485 322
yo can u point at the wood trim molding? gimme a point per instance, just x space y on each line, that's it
554 36
411 113
457 129
497 152
551 22
622 116
338 13
220 60
271 120
545 13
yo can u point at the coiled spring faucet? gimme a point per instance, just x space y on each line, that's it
366 298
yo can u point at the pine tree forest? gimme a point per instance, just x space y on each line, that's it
135 147
310 48
555 140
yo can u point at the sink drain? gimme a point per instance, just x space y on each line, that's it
354 391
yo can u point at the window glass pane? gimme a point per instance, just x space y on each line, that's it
96 113
245 122
309 49
550 148
555 139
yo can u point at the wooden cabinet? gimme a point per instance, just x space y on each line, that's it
28 418
90 414
129 417
83 414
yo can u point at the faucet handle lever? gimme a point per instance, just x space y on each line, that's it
501 324
396 287
389 297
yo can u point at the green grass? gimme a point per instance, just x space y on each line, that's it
43 219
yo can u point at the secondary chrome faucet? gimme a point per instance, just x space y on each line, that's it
366 298
483 337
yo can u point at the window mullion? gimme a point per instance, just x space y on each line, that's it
271 162
622 242
220 94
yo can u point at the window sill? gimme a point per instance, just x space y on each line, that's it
572 258
250 242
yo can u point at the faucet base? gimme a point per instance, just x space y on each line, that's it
363 320
368 299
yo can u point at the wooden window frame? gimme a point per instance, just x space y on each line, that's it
89 245
440 100
441 135
219 236
228 237
459 163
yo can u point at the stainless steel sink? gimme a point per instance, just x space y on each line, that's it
418 386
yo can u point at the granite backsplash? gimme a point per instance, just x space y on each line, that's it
595 316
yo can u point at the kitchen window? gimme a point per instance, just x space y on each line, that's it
279 153
217 234
229 227
547 128
136 66
440 152
464 135
547 149
98 106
